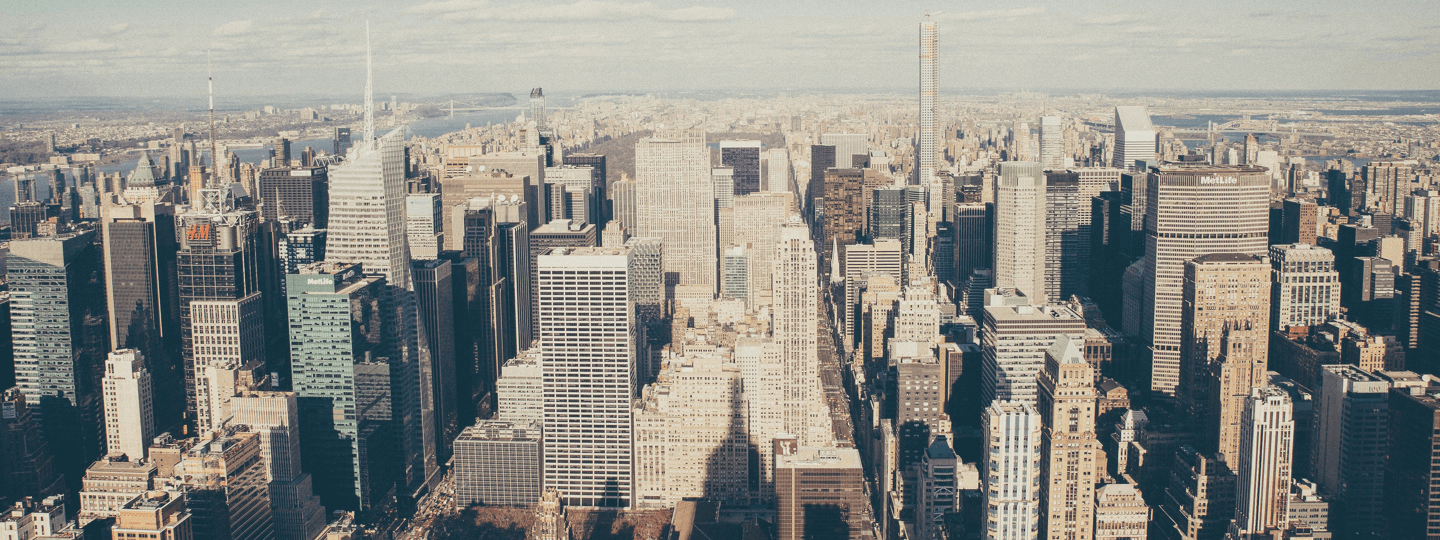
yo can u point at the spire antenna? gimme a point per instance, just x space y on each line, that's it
369 93
214 144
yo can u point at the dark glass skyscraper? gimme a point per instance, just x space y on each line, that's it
299 194
744 158
218 260
140 279
61 336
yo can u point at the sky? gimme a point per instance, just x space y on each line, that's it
158 48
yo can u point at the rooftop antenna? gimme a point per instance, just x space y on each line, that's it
369 91
214 146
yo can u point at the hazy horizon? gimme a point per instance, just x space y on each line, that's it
82 49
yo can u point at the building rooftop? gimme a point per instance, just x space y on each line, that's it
810 457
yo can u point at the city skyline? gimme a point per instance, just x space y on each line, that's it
62 50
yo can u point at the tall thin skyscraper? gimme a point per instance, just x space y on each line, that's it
1134 137
1069 448
1020 229
796 303
537 108
129 418
929 90
1192 210
674 201
141 285
367 226
219 260
1267 445
1011 471
1052 143
587 335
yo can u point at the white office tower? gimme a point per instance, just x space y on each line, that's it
367 226
424 226
1267 445
587 339
367 208
884 256
275 417
762 371
797 303
929 90
129 417
847 146
1192 210
520 390
1010 471
1020 229
1052 143
777 177
722 181
1134 137
229 336
918 318
674 201
758 218
690 439
1014 336
1305 288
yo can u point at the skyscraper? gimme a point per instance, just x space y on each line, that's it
587 335
844 210
1069 448
223 479
819 493
777 177
1011 471
435 300
796 331
298 194
758 219
1020 229
537 108
424 226
129 417
59 330
1267 444
1014 337
744 158
847 146
229 337
1412 461
884 256
367 226
674 201
219 261
1352 424
343 384
140 275
275 418
1052 143
929 89
1225 343
1134 137
1192 210
973 240
1066 240
1305 288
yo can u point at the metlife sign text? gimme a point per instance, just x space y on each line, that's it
1218 180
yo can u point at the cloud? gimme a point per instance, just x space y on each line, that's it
700 14
447 6
1110 20
580 11
994 14
234 28
86 46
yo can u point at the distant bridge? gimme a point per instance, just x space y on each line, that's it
1243 125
